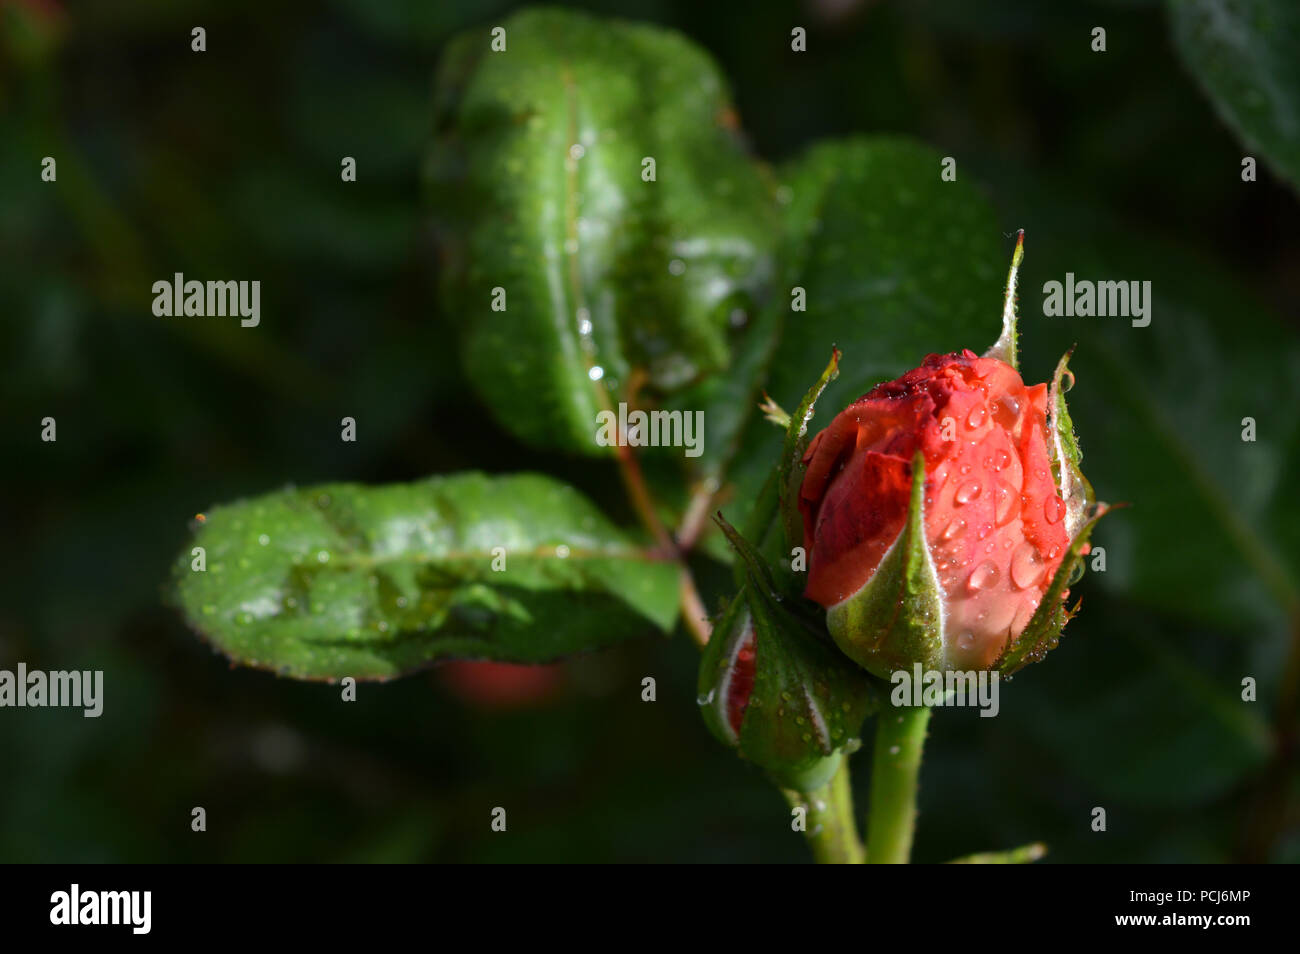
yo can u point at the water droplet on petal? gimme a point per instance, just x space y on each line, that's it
1000 460
1026 565
954 528
1053 509
967 492
966 640
983 577
1006 411
1004 501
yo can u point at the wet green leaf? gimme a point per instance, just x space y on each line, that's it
615 288
371 582
1246 55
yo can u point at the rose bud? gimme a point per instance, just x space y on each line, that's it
773 686
943 514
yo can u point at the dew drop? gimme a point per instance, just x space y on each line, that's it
894 750
983 577
323 556
1053 509
1004 500
1026 565
562 552
596 372
967 492
966 640
976 416
1006 411
1000 460
984 530
954 528
264 539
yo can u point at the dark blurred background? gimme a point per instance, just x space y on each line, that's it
227 164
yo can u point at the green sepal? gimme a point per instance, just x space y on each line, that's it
791 468
896 619
1044 628
1004 349
1066 456
808 702
717 664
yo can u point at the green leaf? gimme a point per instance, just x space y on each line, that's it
537 177
372 582
895 263
1208 550
896 619
1246 55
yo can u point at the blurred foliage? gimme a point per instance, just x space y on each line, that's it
226 164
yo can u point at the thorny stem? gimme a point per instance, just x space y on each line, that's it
895 766
831 831
697 513
694 613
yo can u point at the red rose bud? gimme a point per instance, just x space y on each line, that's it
774 688
943 515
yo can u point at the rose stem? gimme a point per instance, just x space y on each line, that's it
895 765
832 833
